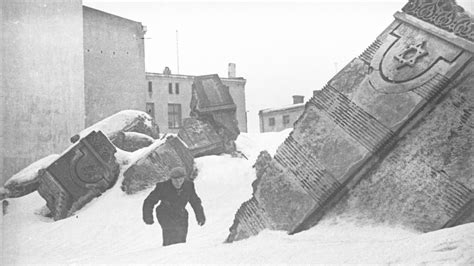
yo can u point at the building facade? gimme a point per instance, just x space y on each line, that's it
114 64
278 119
168 98
64 67
42 89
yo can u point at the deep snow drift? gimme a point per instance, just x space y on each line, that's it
110 229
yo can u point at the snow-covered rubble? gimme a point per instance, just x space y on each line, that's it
110 230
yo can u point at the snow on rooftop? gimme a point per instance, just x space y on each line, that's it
286 107
110 230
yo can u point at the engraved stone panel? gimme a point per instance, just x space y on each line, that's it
201 138
81 173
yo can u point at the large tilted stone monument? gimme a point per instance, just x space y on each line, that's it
212 127
389 138
80 174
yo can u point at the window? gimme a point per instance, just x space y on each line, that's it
150 87
174 115
170 88
271 121
286 119
150 109
176 86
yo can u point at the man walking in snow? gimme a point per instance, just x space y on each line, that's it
174 195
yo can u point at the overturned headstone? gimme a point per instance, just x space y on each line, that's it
389 138
121 122
155 165
213 124
80 174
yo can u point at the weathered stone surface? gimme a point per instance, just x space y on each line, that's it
155 165
131 141
124 121
82 173
201 138
428 176
212 104
381 140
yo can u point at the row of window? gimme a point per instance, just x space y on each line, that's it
286 120
170 88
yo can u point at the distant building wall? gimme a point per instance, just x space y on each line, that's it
237 91
160 97
114 64
42 96
292 114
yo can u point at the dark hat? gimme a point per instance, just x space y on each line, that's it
177 172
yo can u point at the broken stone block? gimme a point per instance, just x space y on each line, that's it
389 138
27 180
201 138
123 121
212 103
80 174
131 141
155 165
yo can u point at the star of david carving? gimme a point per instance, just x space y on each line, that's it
411 54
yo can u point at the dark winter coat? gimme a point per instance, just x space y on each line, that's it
171 212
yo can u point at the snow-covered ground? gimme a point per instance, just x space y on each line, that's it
109 230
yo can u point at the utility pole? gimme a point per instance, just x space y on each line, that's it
177 51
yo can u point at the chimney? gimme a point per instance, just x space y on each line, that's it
298 99
231 71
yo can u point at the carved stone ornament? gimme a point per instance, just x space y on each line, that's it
410 55
445 14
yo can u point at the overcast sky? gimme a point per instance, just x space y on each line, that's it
280 48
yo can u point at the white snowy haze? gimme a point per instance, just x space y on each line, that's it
110 230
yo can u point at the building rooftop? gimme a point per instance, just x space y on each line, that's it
153 74
286 107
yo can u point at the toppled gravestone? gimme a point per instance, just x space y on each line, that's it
80 174
27 180
389 138
120 126
213 126
155 165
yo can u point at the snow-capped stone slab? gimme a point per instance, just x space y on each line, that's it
155 163
123 121
80 174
